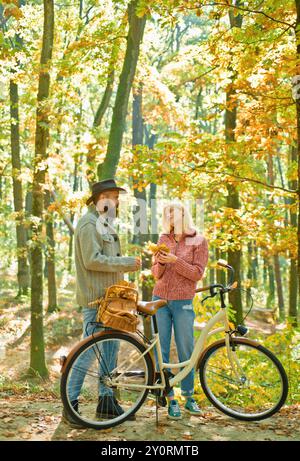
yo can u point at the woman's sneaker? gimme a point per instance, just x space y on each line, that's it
192 407
174 410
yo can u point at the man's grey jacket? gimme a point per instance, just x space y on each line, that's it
98 259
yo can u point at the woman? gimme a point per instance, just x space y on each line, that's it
177 274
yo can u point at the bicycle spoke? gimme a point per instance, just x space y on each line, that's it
229 379
85 372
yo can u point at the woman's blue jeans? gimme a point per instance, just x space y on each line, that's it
109 351
180 314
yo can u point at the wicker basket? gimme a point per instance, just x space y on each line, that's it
119 311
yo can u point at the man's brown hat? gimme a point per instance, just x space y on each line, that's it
101 186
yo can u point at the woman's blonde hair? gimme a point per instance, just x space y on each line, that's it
183 226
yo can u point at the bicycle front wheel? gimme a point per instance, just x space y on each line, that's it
251 387
104 381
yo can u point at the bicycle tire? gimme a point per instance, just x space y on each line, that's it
218 344
101 336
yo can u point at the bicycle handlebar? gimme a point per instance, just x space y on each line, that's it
203 289
231 285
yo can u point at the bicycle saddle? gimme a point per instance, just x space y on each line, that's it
150 307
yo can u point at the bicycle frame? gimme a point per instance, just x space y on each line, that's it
188 365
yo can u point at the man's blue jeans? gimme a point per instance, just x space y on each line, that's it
109 352
179 314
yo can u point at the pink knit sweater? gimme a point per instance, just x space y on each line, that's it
179 280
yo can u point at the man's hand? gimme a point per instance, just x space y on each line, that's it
138 263
164 258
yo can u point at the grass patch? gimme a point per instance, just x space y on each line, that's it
28 387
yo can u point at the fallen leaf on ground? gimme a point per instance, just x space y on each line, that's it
9 434
22 430
279 432
160 430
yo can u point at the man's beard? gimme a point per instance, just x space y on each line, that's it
112 212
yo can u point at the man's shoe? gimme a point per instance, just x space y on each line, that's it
174 410
192 407
67 418
108 407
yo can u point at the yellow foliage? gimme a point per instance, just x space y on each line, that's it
12 9
153 248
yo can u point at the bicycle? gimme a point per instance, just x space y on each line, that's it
239 376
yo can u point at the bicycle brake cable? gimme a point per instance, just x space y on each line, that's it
239 288
206 297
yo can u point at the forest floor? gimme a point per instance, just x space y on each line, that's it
40 419
30 409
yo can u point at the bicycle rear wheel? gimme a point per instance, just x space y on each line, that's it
254 389
98 377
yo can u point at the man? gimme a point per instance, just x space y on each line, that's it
99 264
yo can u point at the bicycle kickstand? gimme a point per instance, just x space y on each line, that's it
156 400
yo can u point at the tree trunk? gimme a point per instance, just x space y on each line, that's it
279 287
293 311
28 213
104 103
103 106
234 260
276 256
249 273
297 30
23 268
105 99
150 140
37 348
50 258
135 34
153 232
139 236
23 273
271 291
75 189
221 275
234 256
293 264
255 266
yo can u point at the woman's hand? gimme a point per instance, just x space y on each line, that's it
166 257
